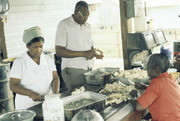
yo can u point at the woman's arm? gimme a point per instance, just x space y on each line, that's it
138 107
56 82
17 88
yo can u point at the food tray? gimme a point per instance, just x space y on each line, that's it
98 103
133 81
100 76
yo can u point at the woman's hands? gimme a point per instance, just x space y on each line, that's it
140 86
36 97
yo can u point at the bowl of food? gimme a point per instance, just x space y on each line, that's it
86 100
18 115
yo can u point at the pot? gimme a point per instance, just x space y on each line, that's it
18 115
4 71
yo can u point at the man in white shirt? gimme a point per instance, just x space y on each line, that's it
33 73
75 45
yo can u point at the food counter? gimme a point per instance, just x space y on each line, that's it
119 112
116 86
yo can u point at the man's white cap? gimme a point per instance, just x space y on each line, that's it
32 33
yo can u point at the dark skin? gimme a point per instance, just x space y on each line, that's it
152 73
79 16
176 62
34 51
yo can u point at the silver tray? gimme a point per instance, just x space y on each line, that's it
100 76
98 104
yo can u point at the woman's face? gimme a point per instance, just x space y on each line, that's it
35 49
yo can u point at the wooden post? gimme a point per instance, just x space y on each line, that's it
124 32
3 51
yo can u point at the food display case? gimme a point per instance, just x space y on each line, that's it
141 44
159 36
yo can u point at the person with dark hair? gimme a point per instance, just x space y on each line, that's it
74 44
33 75
162 96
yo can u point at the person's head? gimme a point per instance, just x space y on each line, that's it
81 12
157 64
34 40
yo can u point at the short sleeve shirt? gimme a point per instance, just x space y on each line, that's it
74 37
35 77
32 75
162 97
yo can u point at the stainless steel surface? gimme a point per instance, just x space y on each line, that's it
98 104
133 81
124 111
100 76
6 95
125 81
18 115
4 71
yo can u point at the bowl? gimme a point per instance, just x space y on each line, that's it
18 115
172 70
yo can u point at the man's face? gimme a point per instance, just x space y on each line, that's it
36 49
82 15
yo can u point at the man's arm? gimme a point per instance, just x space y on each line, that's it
63 52
17 88
56 82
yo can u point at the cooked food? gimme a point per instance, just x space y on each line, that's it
117 92
135 73
98 52
79 103
78 90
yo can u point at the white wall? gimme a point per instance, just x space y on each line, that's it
165 17
27 13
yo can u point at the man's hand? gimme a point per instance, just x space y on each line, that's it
36 97
99 54
89 54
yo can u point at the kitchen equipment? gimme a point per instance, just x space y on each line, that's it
160 37
100 76
94 101
141 45
18 115
6 96
4 69
125 81
87 115
53 108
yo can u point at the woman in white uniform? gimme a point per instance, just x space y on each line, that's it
33 75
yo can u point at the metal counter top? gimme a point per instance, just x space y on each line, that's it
110 113
115 112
